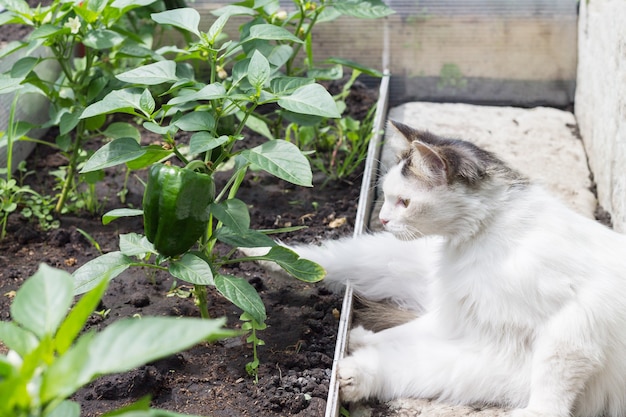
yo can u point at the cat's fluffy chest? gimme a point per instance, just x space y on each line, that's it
514 279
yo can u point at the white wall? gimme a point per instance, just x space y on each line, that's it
600 103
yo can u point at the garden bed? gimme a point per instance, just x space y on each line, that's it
209 379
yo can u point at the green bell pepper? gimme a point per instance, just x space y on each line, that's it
176 207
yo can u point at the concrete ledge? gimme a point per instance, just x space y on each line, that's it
601 100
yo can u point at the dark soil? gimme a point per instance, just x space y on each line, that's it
209 379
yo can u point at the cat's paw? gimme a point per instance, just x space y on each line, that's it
359 337
267 265
255 251
355 379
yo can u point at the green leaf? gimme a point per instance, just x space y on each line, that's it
133 244
92 123
233 213
246 239
130 4
129 343
204 141
311 99
124 345
217 27
355 65
66 408
102 39
114 214
287 85
42 301
142 404
239 292
46 31
22 128
69 372
141 408
256 124
258 70
333 73
161 130
185 18
23 66
196 121
68 122
234 10
106 266
97 6
192 268
365 9
114 153
153 153
78 316
209 92
9 85
280 55
92 177
124 101
303 269
17 339
271 32
11 47
151 74
282 159
118 130
19 6
146 102
87 14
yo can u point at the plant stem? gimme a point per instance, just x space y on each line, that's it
71 169
10 137
298 46
255 356
200 293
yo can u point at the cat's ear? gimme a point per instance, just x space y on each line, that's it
427 163
398 138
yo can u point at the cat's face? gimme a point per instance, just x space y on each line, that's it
413 206
440 186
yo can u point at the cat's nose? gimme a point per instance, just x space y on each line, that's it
384 221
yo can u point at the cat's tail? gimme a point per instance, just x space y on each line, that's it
380 315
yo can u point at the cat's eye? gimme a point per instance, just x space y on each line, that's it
404 202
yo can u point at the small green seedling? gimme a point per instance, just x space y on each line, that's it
49 357
251 325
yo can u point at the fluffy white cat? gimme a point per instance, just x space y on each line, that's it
520 301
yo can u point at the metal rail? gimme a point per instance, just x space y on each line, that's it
364 210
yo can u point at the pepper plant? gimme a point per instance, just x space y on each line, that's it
251 86
49 359
89 41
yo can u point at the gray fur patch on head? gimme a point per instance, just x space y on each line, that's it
463 162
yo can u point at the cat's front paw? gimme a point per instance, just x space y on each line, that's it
255 251
355 380
359 337
267 265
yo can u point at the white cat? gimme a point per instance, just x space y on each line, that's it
521 302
